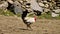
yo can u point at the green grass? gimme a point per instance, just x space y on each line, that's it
48 16
43 16
6 13
18 15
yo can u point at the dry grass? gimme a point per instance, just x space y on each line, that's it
14 25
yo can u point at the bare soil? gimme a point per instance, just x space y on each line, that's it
15 25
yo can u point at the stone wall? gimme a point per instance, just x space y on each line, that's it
46 5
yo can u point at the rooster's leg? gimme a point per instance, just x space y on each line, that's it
28 26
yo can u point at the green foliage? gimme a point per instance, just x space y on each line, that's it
6 12
45 16
31 15
57 17
48 16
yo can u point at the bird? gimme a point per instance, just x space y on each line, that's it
28 20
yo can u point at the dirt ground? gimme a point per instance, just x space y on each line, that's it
14 25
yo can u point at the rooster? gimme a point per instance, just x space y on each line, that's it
28 20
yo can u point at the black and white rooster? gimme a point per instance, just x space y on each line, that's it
28 20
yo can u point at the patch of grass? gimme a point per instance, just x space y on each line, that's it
57 17
18 15
45 16
48 16
6 12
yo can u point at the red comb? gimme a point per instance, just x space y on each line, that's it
35 18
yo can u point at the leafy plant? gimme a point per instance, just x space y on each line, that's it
6 12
